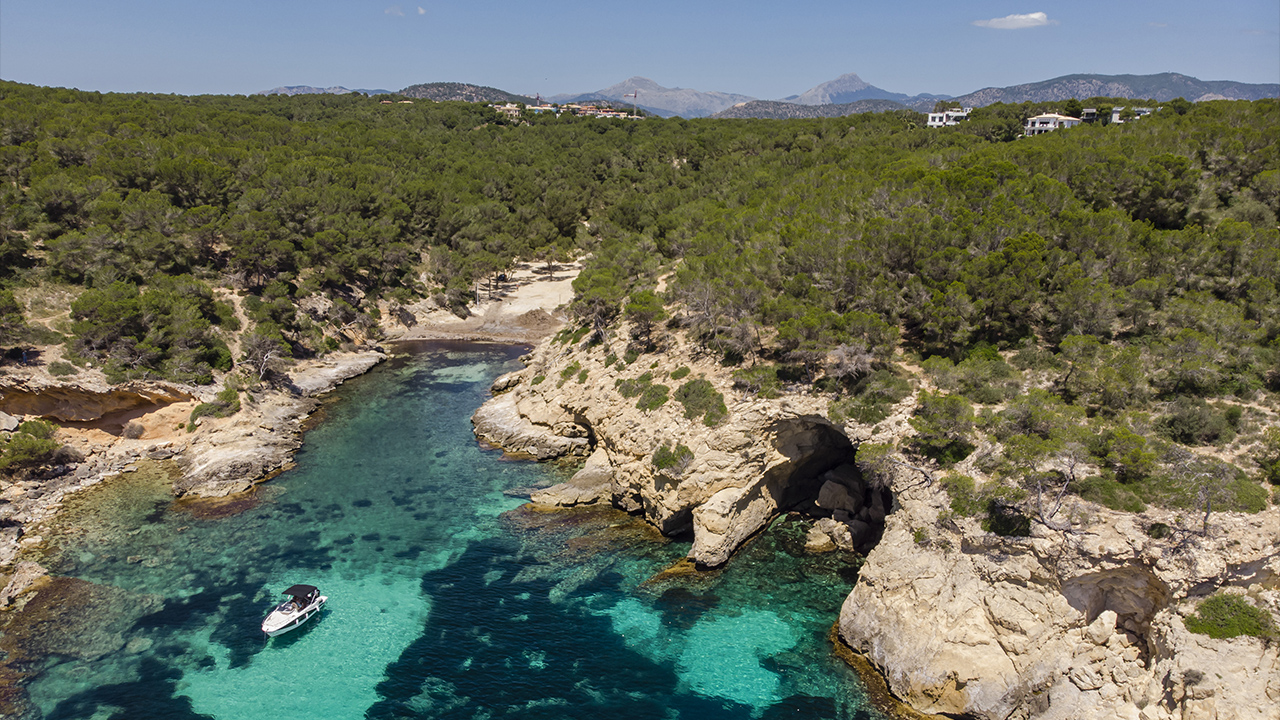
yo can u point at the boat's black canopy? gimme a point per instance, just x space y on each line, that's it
302 591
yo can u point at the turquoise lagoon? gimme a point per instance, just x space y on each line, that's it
447 598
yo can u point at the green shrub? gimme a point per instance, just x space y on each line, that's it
701 399
761 380
943 424
1227 616
1125 452
965 499
568 372
873 397
631 356
995 504
37 429
1105 489
582 376
633 387
226 403
680 372
610 359
668 458
32 444
538 380
1192 421
1158 531
59 368
653 397
574 367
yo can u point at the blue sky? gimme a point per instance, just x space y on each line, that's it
762 49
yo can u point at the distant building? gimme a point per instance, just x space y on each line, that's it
947 118
1137 113
510 109
1048 122
1089 115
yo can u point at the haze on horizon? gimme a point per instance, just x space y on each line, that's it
568 46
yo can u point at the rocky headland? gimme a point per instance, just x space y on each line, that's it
1084 621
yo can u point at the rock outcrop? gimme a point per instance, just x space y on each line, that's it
230 454
1080 624
766 457
84 401
1084 624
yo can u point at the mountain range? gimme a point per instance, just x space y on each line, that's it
845 95
662 101
312 90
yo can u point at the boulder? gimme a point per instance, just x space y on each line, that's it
592 484
1101 629
835 496
817 541
8 423
837 532
24 575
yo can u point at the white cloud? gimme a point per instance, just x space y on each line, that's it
421 11
1016 22
395 10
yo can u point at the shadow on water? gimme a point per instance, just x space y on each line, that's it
151 696
520 655
446 602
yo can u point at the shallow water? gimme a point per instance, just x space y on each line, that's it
447 599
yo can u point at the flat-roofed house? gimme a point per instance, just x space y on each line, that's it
1048 122
947 118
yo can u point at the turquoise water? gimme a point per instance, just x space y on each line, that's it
447 598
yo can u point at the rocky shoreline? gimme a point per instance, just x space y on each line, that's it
221 457
1085 623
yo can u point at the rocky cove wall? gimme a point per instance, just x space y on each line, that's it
1080 625
767 456
1086 624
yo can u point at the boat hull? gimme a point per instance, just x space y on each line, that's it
278 623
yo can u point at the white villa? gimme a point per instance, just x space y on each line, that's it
1048 122
947 118
1137 113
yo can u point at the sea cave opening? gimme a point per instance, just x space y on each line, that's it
823 481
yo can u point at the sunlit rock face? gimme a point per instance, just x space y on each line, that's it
71 402
1083 624
764 458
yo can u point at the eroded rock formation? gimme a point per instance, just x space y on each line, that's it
768 456
1079 624
1062 625
81 402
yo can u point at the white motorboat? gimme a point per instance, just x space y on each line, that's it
304 601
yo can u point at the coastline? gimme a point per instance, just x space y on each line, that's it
225 458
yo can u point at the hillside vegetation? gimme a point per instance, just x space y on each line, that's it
1096 307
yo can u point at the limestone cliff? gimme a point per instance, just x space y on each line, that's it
1086 623
1064 625
766 456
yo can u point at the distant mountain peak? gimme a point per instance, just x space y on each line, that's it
312 90
464 92
845 89
659 100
